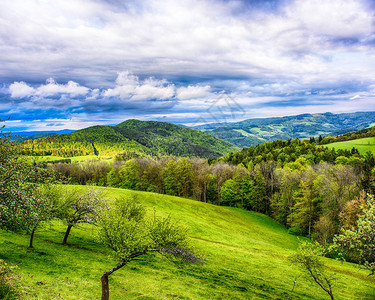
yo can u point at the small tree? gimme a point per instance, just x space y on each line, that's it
79 208
359 241
22 207
308 258
127 231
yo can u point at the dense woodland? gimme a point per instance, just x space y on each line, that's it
132 138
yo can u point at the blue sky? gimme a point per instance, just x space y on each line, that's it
76 63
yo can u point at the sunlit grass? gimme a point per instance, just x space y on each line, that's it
246 256
363 145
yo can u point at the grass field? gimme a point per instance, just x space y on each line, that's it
363 145
73 159
246 257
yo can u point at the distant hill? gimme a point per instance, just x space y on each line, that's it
32 135
256 131
131 138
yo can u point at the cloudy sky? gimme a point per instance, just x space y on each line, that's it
76 63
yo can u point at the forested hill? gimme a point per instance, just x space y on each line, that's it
131 138
252 132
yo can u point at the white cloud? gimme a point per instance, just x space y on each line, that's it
193 92
128 86
20 90
91 40
51 88
355 97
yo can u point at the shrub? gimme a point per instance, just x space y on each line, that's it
7 282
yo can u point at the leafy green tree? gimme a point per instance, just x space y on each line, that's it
229 193
22 207
125 229
113 178
170 178
76 208
130 174
359 241
308 258
305 210
184 177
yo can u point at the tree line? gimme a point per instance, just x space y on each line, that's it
302 185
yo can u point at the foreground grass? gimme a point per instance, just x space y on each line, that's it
246 258
363 145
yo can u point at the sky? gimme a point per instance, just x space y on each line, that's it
70 64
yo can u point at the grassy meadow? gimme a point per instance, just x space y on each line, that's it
73 159
246 257
363 145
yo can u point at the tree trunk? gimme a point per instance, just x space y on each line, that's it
105 286
32 238
67 234
104 279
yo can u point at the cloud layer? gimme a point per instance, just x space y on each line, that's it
172 60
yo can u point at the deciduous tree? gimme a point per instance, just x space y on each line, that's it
126 230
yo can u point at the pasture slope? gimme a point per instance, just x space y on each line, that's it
246 257
363 145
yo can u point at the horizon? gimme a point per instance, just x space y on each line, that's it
73 64
192 126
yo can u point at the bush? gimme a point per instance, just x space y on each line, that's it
7 282
295 231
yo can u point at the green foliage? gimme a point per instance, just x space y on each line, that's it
285 153
22 204
308 258
130 139
359 241
75 207
125 229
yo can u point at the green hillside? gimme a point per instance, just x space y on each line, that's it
363 145
259 130
246 257
131 137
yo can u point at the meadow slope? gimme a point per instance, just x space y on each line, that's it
246 257
363 145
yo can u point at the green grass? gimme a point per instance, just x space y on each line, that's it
246 257
363 145
37 159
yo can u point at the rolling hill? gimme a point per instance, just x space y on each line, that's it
246 257
131 137
259 130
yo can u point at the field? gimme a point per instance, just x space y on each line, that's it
37 159
363 145
246 257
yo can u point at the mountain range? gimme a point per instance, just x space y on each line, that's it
255 131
